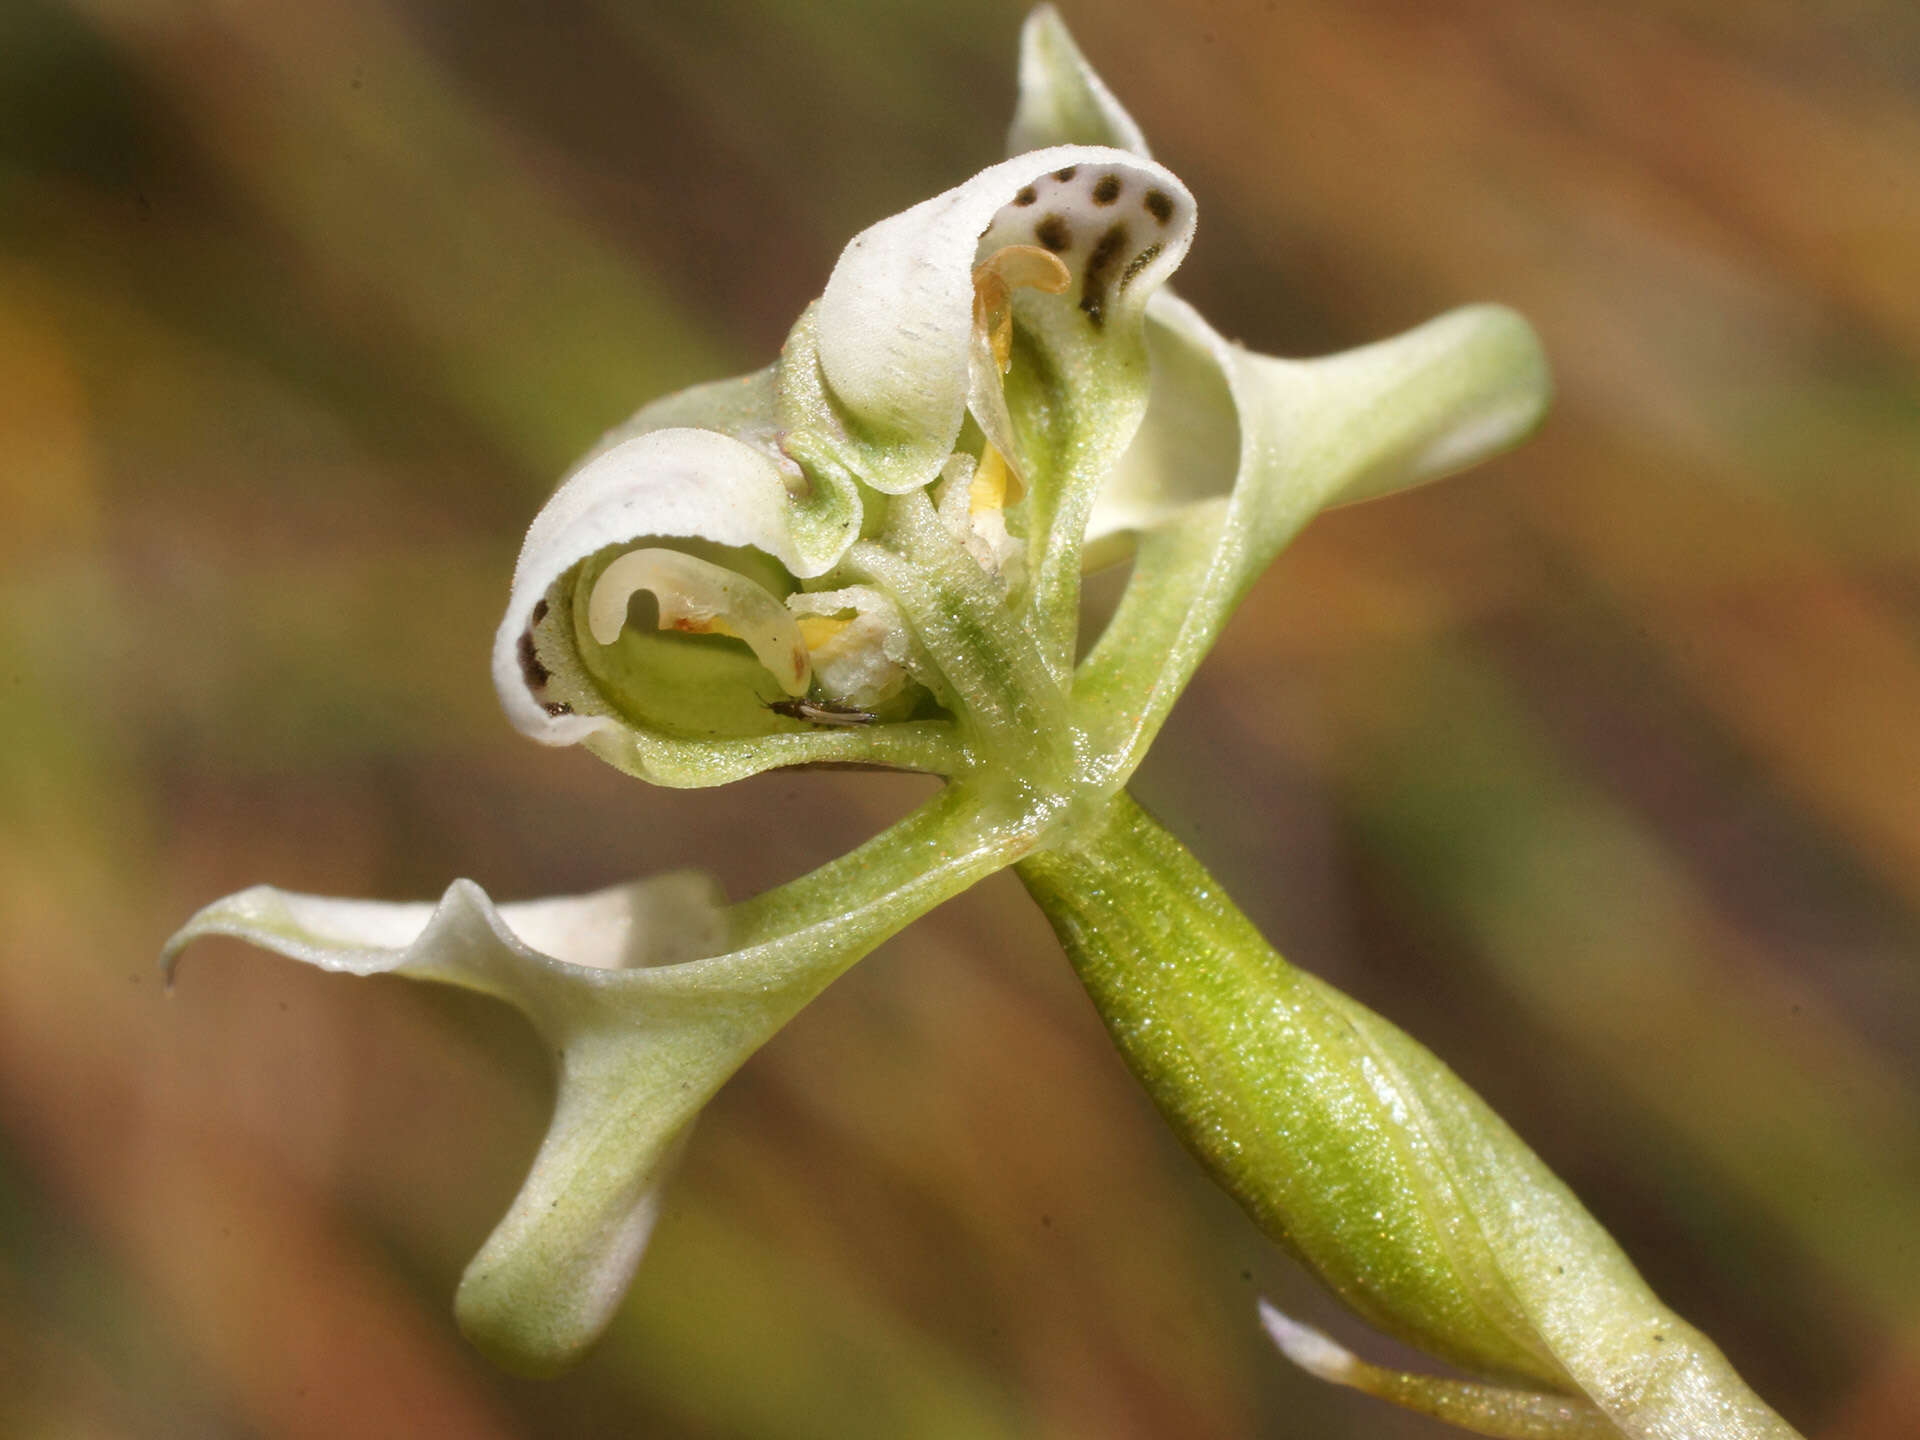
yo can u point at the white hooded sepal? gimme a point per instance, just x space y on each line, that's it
894 329
635 1066
1062 101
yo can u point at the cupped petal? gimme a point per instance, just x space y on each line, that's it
679 483
705 472
895 326
1062 101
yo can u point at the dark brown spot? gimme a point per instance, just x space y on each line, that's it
1159 205
1107 190
557 708
1139 262
539 609
1026 196
1054 233
531 670
1093 294
1066 174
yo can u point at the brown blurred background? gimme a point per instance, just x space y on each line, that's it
1597 769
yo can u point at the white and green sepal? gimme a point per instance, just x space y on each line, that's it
649 996
632 1071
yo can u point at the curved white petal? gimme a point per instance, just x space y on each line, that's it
677 483
650 995
1437 399
1062 101
895 324
698 596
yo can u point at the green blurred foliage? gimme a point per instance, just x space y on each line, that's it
1595 770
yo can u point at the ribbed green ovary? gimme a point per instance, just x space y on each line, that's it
1356 1149
1268 1079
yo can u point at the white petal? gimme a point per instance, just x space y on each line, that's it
895 323
1062 101
1444 396
678 483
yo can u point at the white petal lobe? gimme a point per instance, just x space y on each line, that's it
679 483
896 321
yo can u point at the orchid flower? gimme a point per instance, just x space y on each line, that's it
871 552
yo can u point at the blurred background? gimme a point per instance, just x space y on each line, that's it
1596 769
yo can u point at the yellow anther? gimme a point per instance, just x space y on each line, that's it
818 630
998 276
987 495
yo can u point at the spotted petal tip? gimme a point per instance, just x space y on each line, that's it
895 326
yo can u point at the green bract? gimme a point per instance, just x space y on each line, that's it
871 552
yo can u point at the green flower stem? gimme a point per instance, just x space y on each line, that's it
1166 954
965 832
1356 1149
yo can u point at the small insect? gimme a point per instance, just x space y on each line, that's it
821 712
